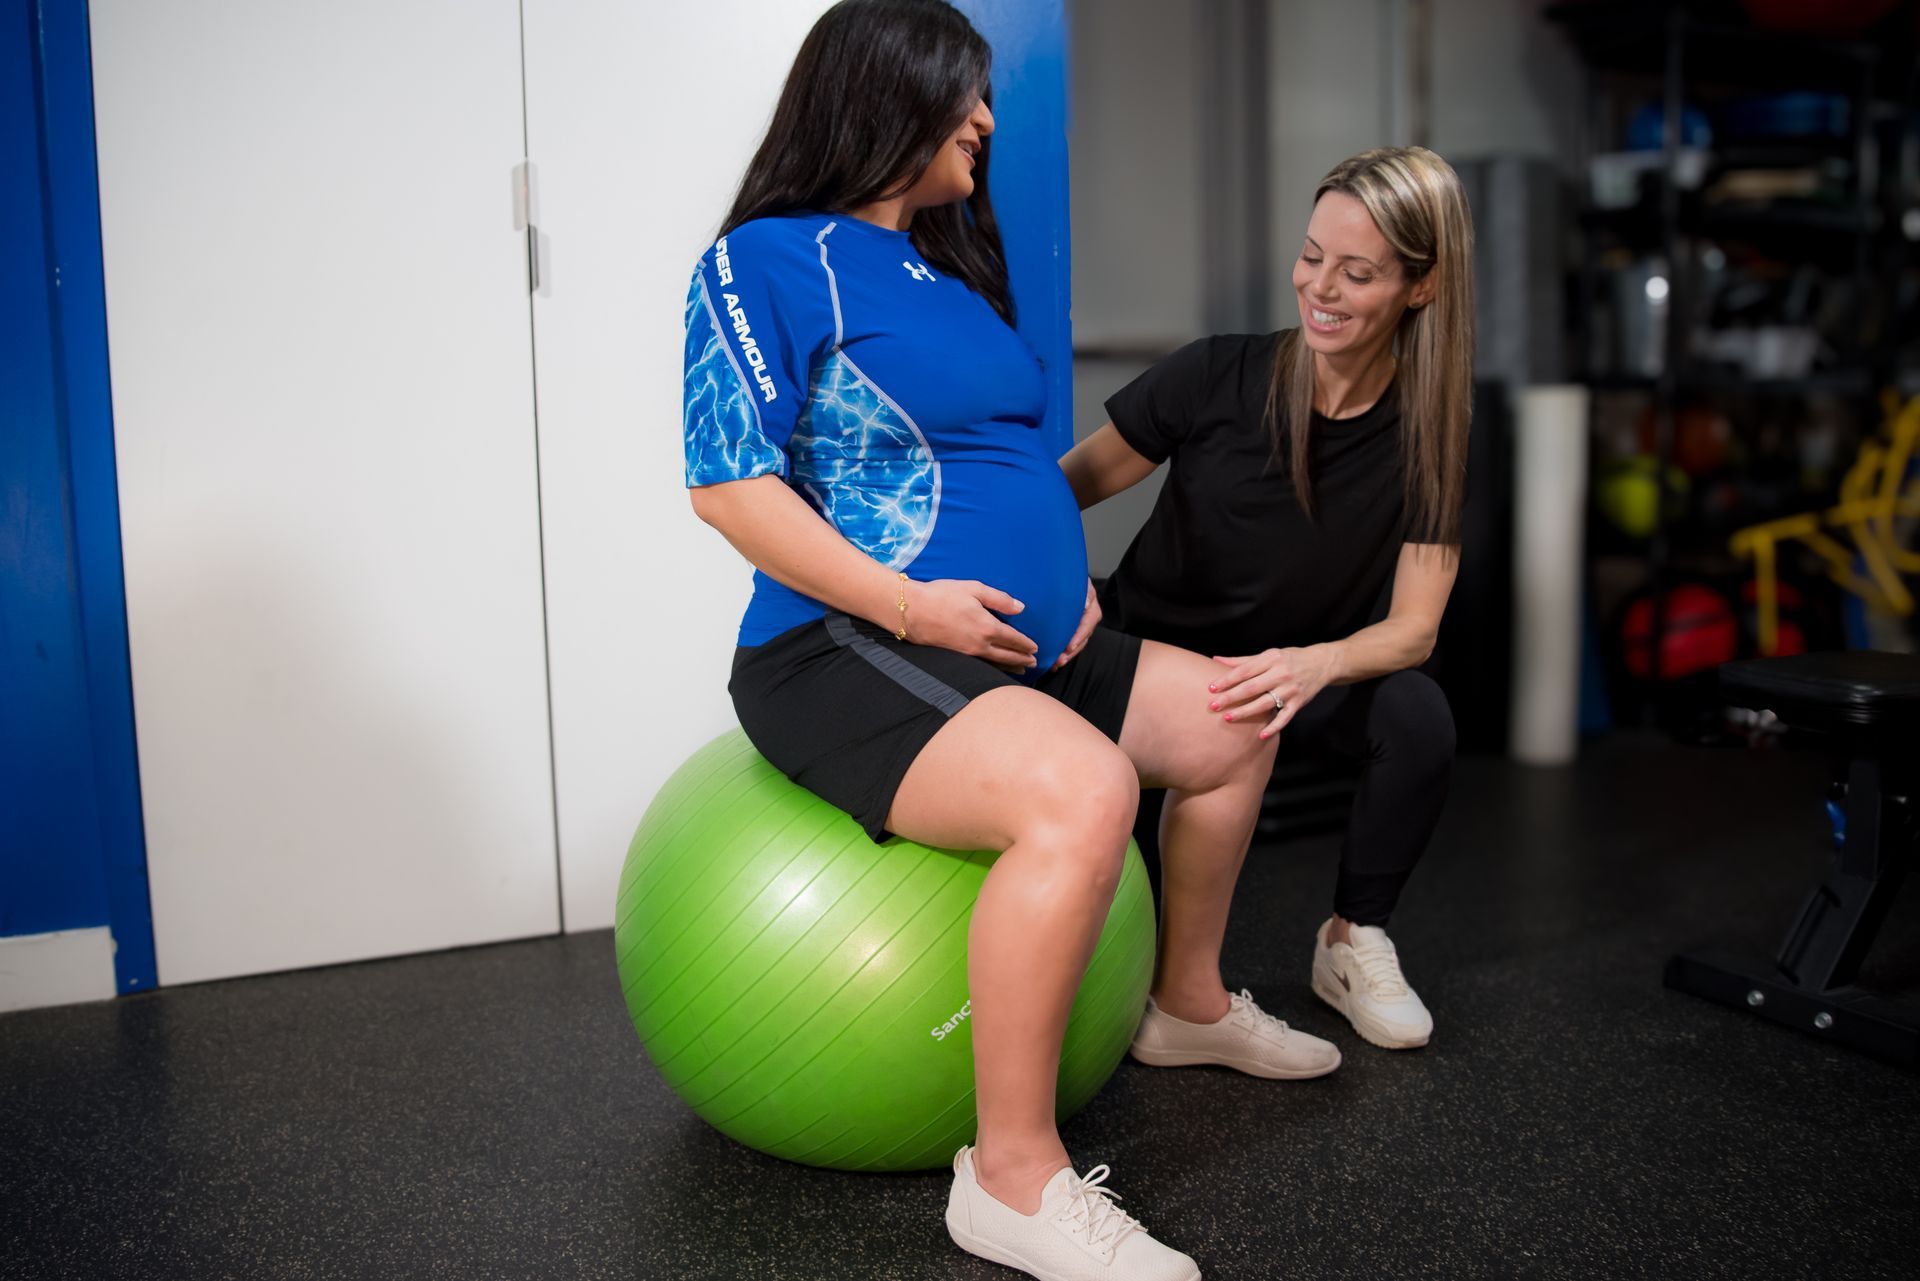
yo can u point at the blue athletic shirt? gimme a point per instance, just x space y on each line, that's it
824 350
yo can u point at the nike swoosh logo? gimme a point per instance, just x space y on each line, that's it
1342 976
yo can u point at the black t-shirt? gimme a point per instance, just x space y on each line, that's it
1228 563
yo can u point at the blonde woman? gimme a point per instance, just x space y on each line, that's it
1308 533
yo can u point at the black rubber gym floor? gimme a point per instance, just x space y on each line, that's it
489 1113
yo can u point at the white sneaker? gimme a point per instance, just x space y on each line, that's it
1363 981
1078 1234
1246 1038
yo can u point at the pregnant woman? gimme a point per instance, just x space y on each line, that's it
863 425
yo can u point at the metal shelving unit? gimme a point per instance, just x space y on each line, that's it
1685 54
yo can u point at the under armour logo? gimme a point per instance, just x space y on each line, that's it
919 271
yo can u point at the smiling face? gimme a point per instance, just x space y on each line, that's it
948 177
1351 286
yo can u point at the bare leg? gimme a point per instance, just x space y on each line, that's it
1018 772
1215 773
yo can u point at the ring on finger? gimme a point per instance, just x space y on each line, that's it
1278 704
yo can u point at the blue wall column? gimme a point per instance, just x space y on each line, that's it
72 851
1028 179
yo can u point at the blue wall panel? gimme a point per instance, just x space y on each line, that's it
51 870
1028 178
72 853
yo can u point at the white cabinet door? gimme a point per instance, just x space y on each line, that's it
323 403
641 119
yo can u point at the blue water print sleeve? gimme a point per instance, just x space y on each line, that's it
754 321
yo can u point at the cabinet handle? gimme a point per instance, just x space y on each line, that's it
526 216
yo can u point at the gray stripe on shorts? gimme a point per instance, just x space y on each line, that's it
921 685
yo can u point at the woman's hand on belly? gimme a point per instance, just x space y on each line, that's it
958 614
1089 619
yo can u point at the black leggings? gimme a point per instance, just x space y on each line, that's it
1400 729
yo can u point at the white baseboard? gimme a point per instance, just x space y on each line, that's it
56 969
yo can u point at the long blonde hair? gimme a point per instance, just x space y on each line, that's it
1416 201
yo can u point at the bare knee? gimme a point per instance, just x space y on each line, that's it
1082 804
1232 760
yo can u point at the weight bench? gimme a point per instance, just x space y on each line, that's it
1868 706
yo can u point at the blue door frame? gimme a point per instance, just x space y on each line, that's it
75 851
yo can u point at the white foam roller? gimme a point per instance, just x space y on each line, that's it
1550 475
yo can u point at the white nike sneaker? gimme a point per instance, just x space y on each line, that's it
1363 981
1246 1038
1078 1234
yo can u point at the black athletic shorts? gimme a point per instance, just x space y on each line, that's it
842 708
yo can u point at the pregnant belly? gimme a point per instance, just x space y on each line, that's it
1027 541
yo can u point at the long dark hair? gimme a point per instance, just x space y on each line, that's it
878 87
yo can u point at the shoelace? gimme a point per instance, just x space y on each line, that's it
1380 965
1091 1209
1252 1016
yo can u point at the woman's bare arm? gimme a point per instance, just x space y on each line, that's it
1406 636
1102 465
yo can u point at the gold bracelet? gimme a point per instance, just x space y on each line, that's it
902 633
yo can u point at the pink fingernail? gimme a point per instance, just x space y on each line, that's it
1213 689
1213 707
1229 716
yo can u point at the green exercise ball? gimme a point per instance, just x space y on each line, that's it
805 990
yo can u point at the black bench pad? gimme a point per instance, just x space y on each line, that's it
1852 690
